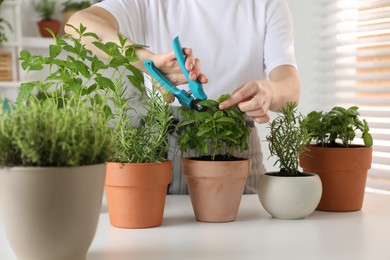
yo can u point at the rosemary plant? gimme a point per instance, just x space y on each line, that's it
287 139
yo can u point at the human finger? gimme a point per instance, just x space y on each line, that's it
244 93
262 119
169 96
190 59
203 79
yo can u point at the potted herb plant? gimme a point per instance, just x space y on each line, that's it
341 165
288 193
138 172
215 178
45 9
5 55
69 7
54 144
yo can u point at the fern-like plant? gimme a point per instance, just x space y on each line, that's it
287 139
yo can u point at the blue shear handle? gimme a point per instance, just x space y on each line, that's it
194 85
180 94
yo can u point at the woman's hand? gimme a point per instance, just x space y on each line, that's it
167 64
254 98
257 97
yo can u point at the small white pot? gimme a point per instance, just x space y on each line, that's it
286 197
51 212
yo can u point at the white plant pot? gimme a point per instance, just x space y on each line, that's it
51 213
287 197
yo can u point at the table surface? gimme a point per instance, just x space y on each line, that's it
360 235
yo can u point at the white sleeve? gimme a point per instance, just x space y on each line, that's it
130 17
279 38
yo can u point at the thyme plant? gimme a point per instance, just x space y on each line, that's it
213 132
287 139
47 134
337 128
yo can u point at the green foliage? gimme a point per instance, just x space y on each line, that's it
337 124
39 133
81 73
82 76
75 5
45 8
287 139
214 131
149 141
3 24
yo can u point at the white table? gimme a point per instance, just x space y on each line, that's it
362 235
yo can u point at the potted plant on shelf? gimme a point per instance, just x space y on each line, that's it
341 165
288 193
215 178
45 9
69 7
54 144
5 55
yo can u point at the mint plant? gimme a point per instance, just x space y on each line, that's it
337 128
84 76
213 133
287 139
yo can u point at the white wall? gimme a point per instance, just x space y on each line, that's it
305 27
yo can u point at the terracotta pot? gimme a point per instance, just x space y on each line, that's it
343 172
136 193
289 197
51 213
215 187
53 25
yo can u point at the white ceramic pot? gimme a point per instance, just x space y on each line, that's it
287 197
51 213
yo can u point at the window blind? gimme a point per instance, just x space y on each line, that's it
354 69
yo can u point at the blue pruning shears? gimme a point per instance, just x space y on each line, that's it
185 97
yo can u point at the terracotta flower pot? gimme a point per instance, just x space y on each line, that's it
136 193
52 212
53 25
343 172
215 187
289 197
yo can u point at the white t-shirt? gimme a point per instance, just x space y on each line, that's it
235 40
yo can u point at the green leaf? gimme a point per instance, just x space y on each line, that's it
105 83
25 91
54 50
226 120
209 103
